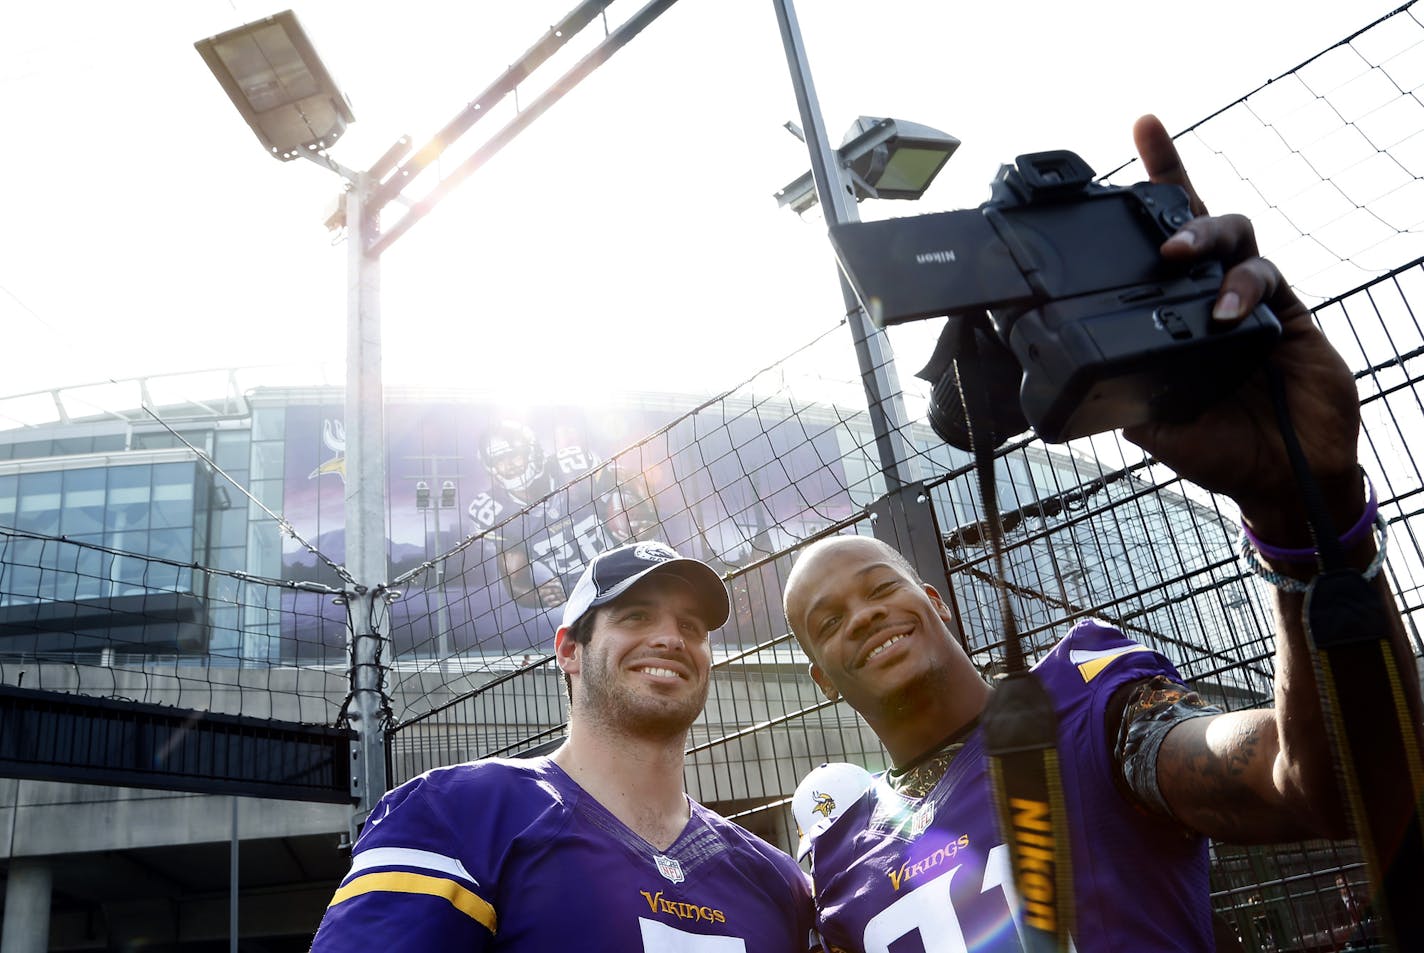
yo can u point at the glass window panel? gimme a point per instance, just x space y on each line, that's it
172 544
81 520
162 576
267 459
69 446
39 490
233 557
26 552
132 516
110 442
130 574
269 423
171 514
83 509
128 541
91 569
173 481
84 487
222 589
129 484
229 527
163 440
22 583
26 449
232 450
158 440
8 488
269 494
66 575
37 504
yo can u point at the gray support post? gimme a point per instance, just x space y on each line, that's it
365 499
872 348
905 519
27 893
232 884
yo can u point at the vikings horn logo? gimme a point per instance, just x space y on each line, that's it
333 434
824 806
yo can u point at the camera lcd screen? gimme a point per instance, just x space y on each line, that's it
1101 242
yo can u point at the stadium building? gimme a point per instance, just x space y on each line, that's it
187 557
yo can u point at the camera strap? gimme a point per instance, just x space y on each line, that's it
1373 735
1020 725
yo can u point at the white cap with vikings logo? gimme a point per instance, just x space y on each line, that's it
823 795
615 571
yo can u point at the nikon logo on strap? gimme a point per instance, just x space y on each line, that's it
1034 873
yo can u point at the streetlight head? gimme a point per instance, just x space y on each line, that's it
275 79
897 159
886 158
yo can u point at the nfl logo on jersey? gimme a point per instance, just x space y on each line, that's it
669 868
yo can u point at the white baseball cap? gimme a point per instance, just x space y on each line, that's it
613 572
823 795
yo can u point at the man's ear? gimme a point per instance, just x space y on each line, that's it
823 683
566 651
941 609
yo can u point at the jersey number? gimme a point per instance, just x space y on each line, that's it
928 911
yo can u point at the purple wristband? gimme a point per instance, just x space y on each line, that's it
1307 554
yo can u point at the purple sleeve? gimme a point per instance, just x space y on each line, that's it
407 889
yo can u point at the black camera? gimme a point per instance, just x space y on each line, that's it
1062 311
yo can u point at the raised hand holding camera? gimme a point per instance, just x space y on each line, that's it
1063 283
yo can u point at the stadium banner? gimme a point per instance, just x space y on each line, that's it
525 500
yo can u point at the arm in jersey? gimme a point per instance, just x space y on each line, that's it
530 584
1139 718
406 890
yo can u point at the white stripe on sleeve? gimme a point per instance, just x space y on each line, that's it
409 857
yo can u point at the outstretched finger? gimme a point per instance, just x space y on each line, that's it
1224 238
1159 156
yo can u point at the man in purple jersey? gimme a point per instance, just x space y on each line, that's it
1149 771
597 847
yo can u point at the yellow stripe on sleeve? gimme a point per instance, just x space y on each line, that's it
394 881
1093 666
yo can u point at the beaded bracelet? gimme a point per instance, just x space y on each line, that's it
1291 584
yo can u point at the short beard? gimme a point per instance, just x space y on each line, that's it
614 705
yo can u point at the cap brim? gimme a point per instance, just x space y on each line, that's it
711 591
807 839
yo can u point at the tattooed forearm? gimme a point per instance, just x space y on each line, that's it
1217 774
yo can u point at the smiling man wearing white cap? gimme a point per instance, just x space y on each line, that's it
597 847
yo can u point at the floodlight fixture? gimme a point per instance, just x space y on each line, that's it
884 159
274 77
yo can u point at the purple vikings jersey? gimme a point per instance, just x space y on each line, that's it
561 532
931 875
513 855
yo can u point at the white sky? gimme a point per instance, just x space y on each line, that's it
627 240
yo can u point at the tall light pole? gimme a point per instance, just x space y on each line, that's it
274 77
272 74
885 399
903 516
